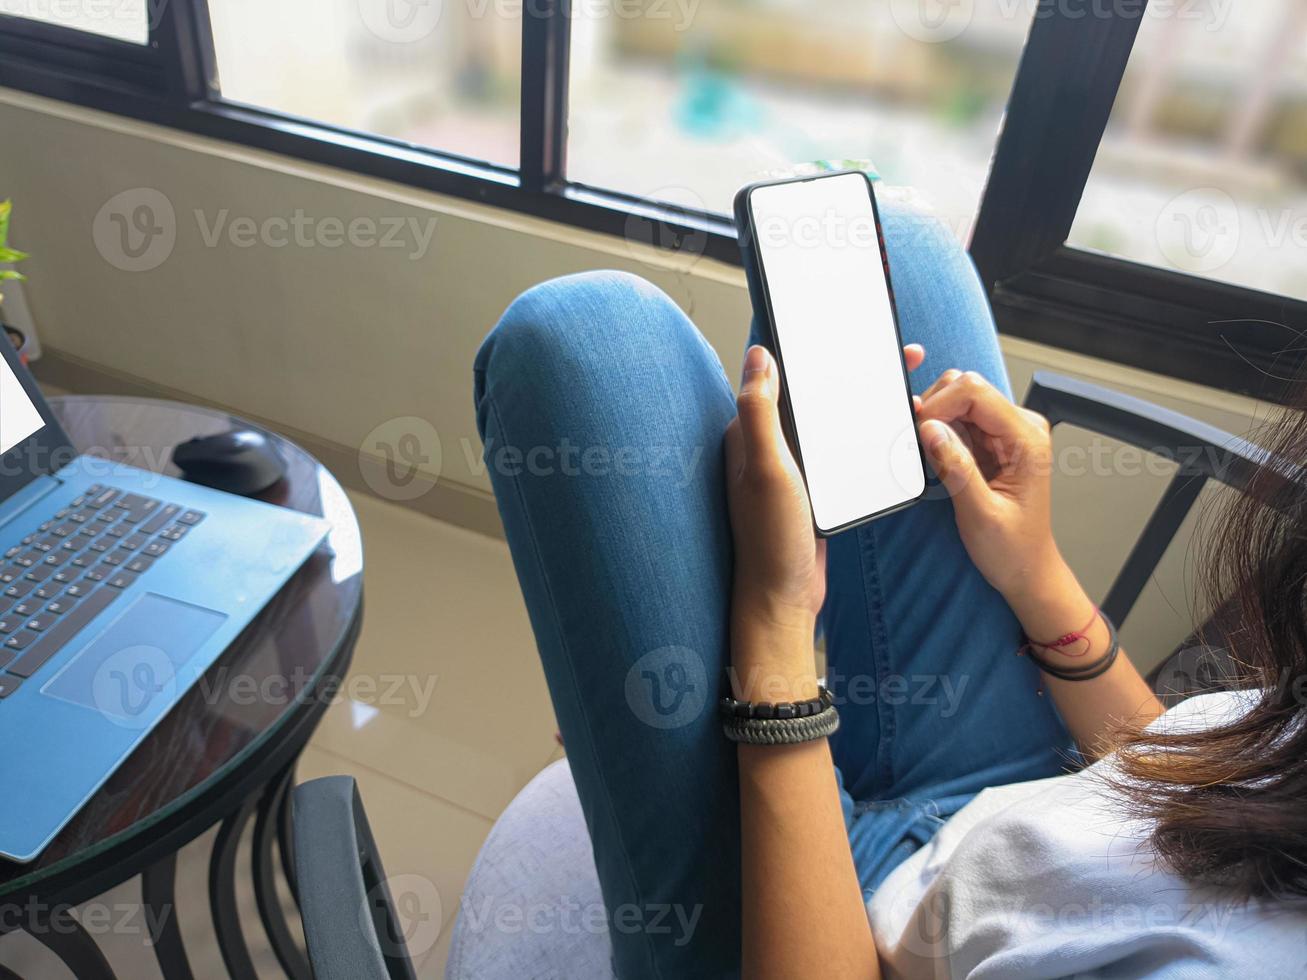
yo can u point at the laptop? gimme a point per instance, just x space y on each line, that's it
118 589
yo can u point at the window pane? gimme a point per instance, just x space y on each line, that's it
687 100
1203 168
125 20
441 75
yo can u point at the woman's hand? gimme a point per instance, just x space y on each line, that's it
995 459
780 565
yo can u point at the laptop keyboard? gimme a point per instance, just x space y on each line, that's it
73 567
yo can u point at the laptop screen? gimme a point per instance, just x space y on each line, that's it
19 417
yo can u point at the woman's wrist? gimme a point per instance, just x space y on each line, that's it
1046 581
772 653
1054 605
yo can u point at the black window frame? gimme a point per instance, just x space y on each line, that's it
1212 332
1209 331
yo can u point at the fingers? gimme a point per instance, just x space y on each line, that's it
913 355
954 464
959 397
761 436
947 378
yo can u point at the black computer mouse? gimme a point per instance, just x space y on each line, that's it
240 462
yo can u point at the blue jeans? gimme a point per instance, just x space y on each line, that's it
602 411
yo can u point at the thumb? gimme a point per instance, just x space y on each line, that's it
760 421
954 464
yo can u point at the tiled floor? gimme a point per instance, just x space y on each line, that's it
446 717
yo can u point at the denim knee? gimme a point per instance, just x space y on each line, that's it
564 317
941 301
591 328
915 231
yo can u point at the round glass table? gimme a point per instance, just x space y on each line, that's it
225 755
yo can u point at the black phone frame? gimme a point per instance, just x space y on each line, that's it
762 310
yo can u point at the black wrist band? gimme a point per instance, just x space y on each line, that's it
1088 671
730 708
782 731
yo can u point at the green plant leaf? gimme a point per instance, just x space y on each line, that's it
5 208
10 274
11 255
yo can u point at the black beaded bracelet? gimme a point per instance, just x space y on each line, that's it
782 731
729 708
1088 671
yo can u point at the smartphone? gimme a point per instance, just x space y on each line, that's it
819 280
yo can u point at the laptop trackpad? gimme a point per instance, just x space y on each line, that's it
129 672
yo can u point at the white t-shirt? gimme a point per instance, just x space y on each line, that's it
1051 879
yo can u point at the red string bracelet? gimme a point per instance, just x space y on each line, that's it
1064 641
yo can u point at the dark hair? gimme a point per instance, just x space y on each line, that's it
1229 804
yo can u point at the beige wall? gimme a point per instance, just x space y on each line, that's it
335 341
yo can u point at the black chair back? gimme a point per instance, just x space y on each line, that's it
350 925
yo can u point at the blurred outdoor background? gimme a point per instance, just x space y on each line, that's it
1203 168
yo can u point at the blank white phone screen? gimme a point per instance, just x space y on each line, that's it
817 244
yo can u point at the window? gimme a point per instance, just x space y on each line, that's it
123 20
443 75
1094 156
1203 168
687 101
